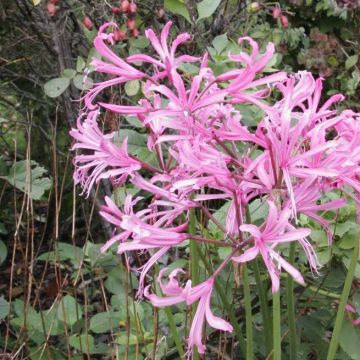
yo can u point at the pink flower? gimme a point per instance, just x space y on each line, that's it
168 62
189 294
265 241
106 160
351 310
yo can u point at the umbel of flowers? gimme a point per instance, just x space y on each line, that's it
302 148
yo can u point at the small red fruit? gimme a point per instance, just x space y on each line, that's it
135 32
131 24
132 8
116 10
124 6
284 21
88 23
55 2
51 9
119 35
276 12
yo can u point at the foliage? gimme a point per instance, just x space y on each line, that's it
49 244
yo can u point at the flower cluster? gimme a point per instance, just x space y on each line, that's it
301 149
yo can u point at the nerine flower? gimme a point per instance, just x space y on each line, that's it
106 159
265 241
175 294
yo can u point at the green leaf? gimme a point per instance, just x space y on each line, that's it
80 64
177 7
206 8
83 342
28 177
106 321
69 311
220 43
124 339
132 87
141 42
350 339
3 252
351 61
68 73
83 82
4 308
55 87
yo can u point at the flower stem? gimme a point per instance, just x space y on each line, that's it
277 325
291 306
264 307
334 343
248 314
194 261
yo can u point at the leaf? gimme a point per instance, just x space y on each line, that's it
124 339
64 252
4 308
3 252
206 8
220 43
83 82
351 61
104 322
132 87
55 87
177 7
69 311
83 342
80 64
34 183
350 339
68 73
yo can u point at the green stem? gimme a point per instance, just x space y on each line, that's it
248 314
227 306
194 264
277 325
264 306
291 306
343 301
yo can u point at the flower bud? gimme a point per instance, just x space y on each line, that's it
116 10
135 32
51 9
253 8
119 35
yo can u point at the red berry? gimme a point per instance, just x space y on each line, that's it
132 8
119 35
116 10
51 9
135 32
55 2
284 21
124 5
276 12
131 24
88 23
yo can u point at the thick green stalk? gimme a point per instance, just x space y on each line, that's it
248 314
277 325
227 306
334 343
264 306
194 264
291 306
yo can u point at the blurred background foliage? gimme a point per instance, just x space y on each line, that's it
59 298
